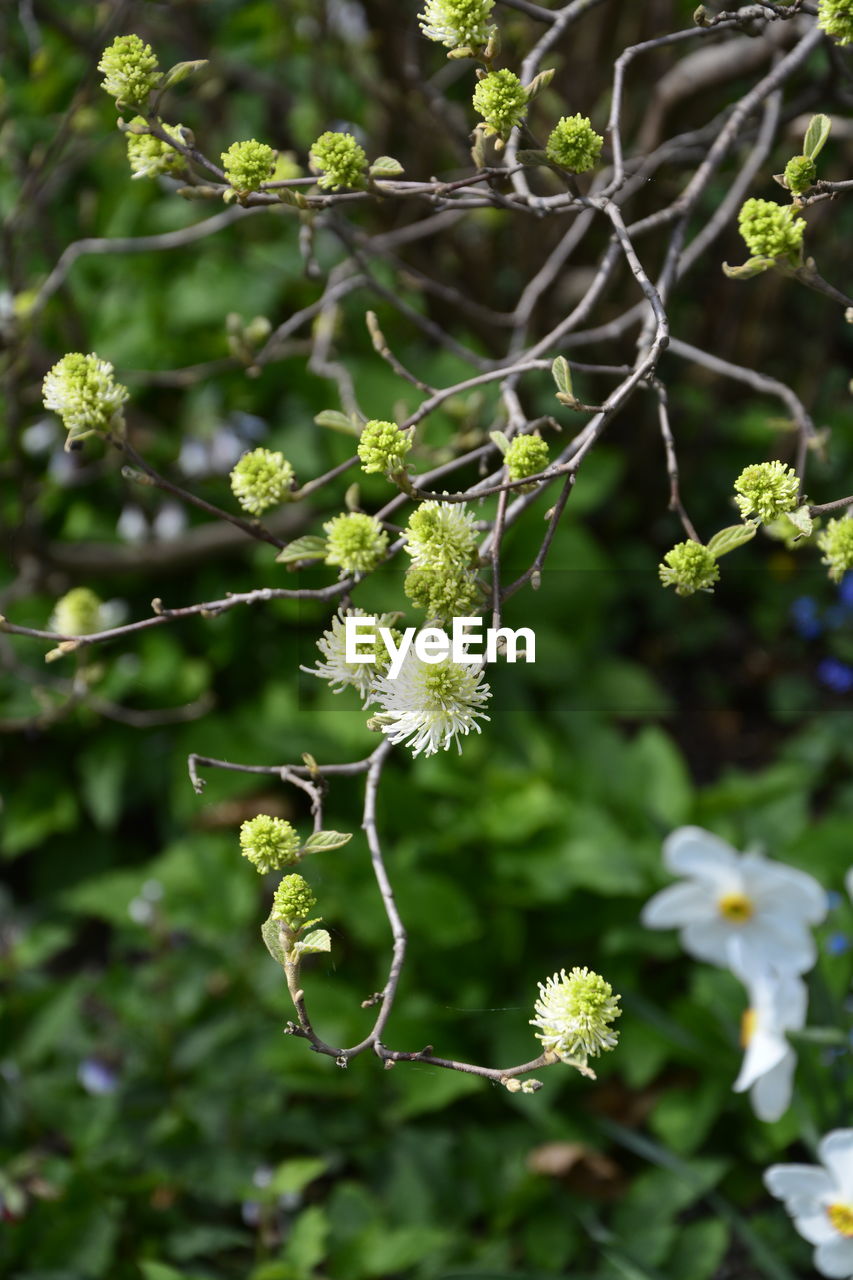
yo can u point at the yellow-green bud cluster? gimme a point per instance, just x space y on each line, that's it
269 843
526 456
149 157
442 536
501 99
293 901
689 567
771 230
248 164
800 174
355 541
340 161
574 1014
458 24
77 613
766 490
835 17
83 391
261 479
443 595
130 69
383 447
574 144
836 543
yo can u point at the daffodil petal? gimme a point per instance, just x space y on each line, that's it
835 1258
692 851
677 905
836 1152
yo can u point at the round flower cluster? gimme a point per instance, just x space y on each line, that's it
293 901
148 156
458 24
573 1013
269 843
248 164
77 613
430 704
526 456
443 595
357 542
836 543
766 490
835 17
441 535
340 160
689 567
261 479
383 447
771 230
574 144
83 391
334 666
501 99
800 174
130 69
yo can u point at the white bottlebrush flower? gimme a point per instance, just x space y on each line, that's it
458 23
82 390
778 1003
428 705
819 1198
573 1015
333 665
739 911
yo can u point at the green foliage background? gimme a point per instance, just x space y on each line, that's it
224 1148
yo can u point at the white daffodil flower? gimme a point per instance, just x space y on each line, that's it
778 1003
819 1198
738 911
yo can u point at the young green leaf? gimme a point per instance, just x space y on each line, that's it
315 942
731 538
320 841
337 421
309 547
816 136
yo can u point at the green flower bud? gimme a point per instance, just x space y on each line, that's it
836 543
835 17
500 98
261 479
293 901
689 567
130 69
772 230
574 144
785 531
357 542
458 24
441 536
149 157
269 843
574 1013
766 490
340 161
248 164
383 447
800 174
526 456
82 390
443 595
77 613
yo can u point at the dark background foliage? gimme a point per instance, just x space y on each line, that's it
155 1121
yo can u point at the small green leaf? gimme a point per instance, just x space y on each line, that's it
802 521
352 497
320 841
274 940
337 421
314 943
538 83
816 136
309 547
289 195
386 167
180 71
731 538
562 375
498 438
293 1176
753 267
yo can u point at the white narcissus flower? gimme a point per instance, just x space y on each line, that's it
778 1003
819 1198
740 911
428 704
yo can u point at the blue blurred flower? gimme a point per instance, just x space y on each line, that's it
835 675
805 617
837 944
96 1077
845 591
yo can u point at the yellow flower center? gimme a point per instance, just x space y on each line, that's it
736 907
748 1020
841 1217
